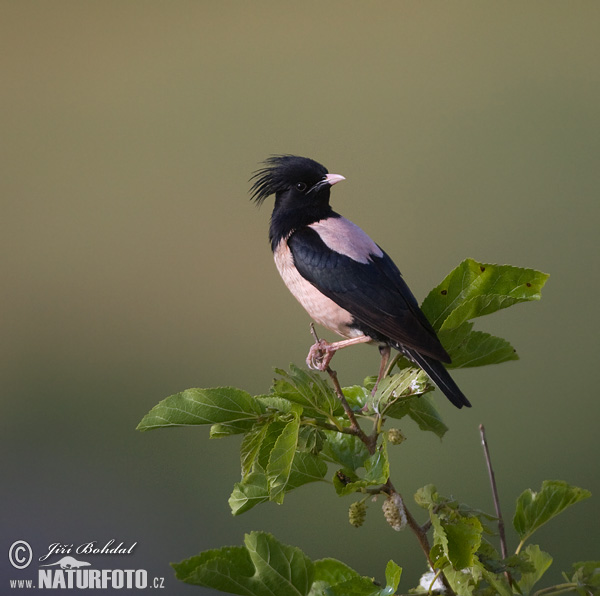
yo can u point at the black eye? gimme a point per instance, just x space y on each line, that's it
301 186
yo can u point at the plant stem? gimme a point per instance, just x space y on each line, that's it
421 533
488 461
558 589
356 429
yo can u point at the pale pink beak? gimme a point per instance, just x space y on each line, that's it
332 179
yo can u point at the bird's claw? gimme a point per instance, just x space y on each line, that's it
320 355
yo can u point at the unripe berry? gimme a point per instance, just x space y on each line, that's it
357 513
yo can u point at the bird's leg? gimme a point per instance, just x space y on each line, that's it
321 352
385 352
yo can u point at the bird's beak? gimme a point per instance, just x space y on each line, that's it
332 179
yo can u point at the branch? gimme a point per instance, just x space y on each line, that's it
356 429
488 461
421 533
371 443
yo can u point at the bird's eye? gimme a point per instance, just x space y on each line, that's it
301 186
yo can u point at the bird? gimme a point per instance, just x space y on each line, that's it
343 279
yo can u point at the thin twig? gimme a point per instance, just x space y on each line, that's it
488 461
353 422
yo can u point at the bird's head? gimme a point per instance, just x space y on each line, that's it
296 182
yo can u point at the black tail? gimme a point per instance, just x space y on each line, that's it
440 376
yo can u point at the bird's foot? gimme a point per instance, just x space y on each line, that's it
320 355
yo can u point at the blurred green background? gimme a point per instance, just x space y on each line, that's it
134 265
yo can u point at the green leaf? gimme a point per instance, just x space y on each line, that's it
277 404
377 466
333 578
491 560
357 396
422 411
586 575
535 509
306 468
347 450
540 561
464 538
377 471
498 583
357 586
393 573
311 439
469 348
455 540
328 573
346 482
396 390
254 489
280 460
262 567
425 414
250 447
463 584
475 289
333 571
234 410
428 497
274 429
308 389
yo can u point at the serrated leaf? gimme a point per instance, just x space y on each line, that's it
263 567
306 468
463 584
254 489
250 447
535 509
469 348
396 390
377 466
498 583
333 571
308 389
439 549
541 561
427 496
425 414
311 439
357 396
464 538
456 539
586 575
422 411
377 470
393 573
357 586
280 460
273 431
279 404
233 409
474 289
346 482
347 450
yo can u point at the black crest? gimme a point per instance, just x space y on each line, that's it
281 171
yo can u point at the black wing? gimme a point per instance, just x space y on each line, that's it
374 293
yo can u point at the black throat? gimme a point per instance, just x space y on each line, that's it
285 219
